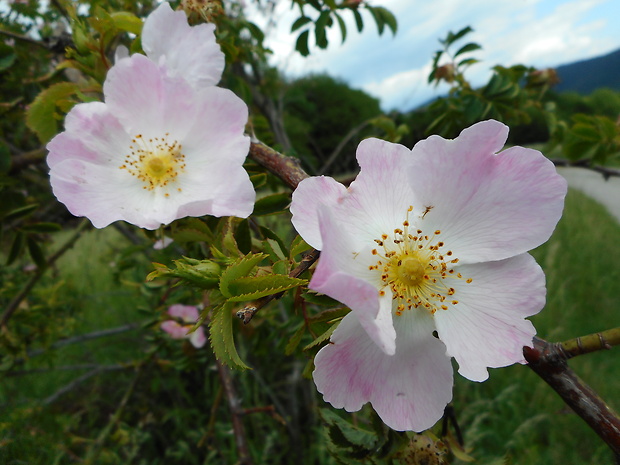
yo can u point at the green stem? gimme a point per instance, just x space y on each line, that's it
591 343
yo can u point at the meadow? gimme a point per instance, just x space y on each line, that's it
137 397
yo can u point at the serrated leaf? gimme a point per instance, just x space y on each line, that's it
239 269
201 273
183 235
301 45
295 339
345 435
126 21
40 116
299 22
320 299
329 315
255 287
228 236
221 337
322 338
298 246
271 204
273 249
269 234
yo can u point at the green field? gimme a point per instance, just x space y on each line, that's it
163 403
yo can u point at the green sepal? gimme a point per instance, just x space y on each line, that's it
255 287
240 268
221 337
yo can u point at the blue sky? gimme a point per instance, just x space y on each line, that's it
539 33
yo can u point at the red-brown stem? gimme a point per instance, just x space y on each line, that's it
237 414
286 168
549 362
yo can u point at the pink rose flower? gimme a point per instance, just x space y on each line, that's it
428 247
155 151
188 314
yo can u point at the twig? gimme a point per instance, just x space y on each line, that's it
23 38
606 172
548 361
85 337
603 340
250 309
286 168
14 304
236 412
77 381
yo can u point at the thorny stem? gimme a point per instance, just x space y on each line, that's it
549 361
286 168
250 309
14 304
236 412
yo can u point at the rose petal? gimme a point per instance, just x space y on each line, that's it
174 329
187 313
187 51
198 338
409 390
309 195
488 206
487 327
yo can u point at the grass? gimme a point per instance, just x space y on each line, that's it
173 406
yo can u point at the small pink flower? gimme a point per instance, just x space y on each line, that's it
181 49
188 314
155 151
428 241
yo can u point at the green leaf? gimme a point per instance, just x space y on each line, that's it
204 274
302 43
7 56
20 212
378 18
388 18
322 338
41 116
243 237
35 252
251 288
269 234
299 22
454 37
239 269
320 27
16 247
271 204
343 27
274 250
221 337
467 48
41 228
359 21
298 246
258 180
295 339
127 21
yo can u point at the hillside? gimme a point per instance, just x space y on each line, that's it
588 75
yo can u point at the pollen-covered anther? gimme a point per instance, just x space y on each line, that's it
414 271
156 161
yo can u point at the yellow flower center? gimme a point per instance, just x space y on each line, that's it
156 162
415 267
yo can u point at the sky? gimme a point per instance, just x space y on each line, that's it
540 33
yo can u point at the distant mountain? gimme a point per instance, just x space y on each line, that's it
588 75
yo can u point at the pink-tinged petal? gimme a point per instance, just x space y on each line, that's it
377 201
198 338
174 329
146 101
487 328
191 52
310 194
187 313
347 279
409 390
488 206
